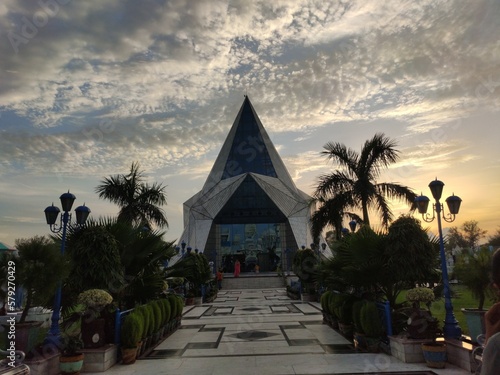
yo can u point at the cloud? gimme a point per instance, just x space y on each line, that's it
101 84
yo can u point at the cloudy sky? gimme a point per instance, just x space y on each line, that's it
88 87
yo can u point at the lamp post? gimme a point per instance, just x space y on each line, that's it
451 328
183 246
51 213
352 225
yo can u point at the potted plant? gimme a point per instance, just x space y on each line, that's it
147 322
93 324
304 265
71 358
158 319
359 333
371 325
131 334
472 269
39 269
195 269
325 308
342 308
421 324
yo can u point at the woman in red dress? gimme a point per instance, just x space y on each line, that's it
237 268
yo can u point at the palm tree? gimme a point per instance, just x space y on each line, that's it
139 202
355 185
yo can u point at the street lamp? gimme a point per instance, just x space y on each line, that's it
51 213
352 225
451 327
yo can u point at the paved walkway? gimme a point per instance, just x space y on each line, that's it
262 332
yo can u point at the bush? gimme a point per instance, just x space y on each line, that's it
324 301
147 315
371 322
333 303
180 305
473 269
172 299
304 265
158 316
356 315
132 330
167 310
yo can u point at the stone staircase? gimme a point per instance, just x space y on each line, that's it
253 281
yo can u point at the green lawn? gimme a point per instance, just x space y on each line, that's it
462 298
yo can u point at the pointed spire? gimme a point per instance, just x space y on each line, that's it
248 149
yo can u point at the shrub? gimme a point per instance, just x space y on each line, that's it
147 315
356 315
132 330
324 300
172 299
158 316
420 294
167 310
180 305
370 320
473 269
334 301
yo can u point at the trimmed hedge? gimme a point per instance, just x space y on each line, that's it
132 330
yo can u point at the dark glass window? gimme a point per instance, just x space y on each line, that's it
248 152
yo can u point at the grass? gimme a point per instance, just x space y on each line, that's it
461 298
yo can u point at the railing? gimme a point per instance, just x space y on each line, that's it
384 309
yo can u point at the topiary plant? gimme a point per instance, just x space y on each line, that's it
147 321
325 297
167 310
356 315
132 330
370 320
158 316
172 299
180 305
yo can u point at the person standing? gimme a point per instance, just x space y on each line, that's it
491 354
219 278
237 268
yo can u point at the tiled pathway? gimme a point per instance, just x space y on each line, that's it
261 332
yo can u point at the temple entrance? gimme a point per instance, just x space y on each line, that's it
256 246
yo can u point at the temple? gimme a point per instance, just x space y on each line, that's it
249 208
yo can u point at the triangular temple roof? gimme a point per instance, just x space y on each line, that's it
247 157
248 149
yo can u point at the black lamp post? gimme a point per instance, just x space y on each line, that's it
451 328
51 213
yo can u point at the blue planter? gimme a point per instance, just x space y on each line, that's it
475 322
434 354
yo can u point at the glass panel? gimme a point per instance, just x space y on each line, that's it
248 152
252 244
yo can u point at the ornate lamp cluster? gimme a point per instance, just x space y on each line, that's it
453 202
67 200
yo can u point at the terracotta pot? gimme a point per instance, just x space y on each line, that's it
129 355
